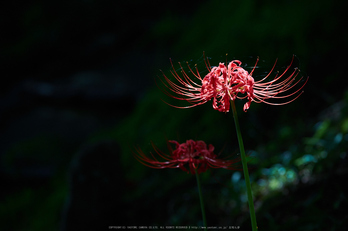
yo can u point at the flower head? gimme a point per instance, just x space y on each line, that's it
224 83
194 154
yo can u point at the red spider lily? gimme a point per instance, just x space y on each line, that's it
195 154
225 83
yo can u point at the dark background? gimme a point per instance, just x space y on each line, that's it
78 93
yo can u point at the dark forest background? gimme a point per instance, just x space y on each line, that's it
78 93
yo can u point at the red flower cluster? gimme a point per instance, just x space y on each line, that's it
224 83
195 154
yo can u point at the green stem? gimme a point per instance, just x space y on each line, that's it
245 168
201 200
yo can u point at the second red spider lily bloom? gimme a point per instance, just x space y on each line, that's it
195 155
224 83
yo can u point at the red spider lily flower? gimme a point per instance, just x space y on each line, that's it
224 83
196 154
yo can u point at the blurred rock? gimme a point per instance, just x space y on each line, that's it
96 188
